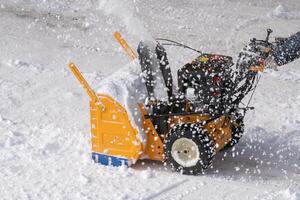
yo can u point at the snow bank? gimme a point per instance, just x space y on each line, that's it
127 88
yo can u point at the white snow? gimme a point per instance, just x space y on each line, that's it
127 88
44 124
280 11
125 11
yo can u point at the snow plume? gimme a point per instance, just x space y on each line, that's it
125 11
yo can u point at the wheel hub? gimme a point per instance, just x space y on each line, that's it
185 152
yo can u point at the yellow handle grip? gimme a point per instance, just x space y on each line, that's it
125 46
83 82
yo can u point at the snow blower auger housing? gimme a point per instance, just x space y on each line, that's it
114 139
185 133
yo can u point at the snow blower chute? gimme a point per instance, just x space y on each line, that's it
182 131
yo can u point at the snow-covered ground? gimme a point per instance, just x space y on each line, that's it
44 116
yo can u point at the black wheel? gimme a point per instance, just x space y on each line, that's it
188 149
237 132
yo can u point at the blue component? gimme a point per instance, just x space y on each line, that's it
288 50
109 160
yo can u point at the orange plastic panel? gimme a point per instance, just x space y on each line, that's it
194 118
112 131
154 148
220 131
111 128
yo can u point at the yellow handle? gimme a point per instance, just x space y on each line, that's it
83 82
125 46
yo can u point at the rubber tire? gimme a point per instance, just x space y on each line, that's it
198 135
236 135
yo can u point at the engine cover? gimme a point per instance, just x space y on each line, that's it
209 75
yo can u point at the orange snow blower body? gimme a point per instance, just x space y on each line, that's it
115 140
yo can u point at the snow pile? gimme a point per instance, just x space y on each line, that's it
127 88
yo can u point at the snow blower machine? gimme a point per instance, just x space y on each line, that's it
202 117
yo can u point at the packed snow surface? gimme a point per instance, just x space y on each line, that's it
44 114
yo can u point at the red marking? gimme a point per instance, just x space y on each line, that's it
261 62
217 80
216 94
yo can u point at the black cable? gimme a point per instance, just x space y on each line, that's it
253 90
177 44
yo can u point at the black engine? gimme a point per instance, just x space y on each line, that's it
218 88
209 76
